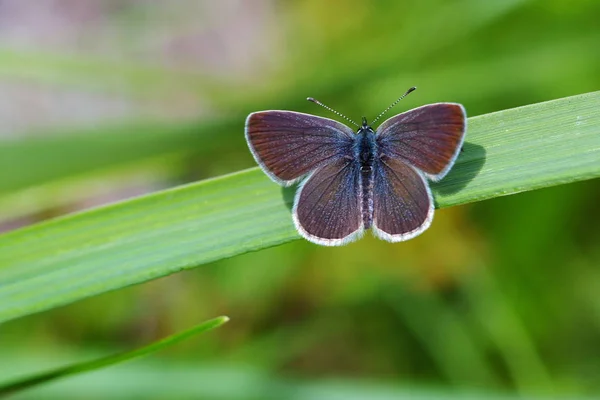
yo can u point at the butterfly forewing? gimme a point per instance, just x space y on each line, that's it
428 138
402 202
288 145
327 205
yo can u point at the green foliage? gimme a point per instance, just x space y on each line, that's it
498 295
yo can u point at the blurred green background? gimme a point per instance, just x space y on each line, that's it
100 100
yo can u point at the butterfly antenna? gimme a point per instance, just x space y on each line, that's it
393 104
332 110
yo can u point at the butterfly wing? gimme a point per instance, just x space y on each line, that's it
428 138
287 145
327 207
402 201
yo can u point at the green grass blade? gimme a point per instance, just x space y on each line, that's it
526 148
74 257
45 377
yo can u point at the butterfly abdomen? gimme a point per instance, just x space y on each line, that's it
366 181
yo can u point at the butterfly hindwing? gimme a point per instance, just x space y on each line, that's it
402 201
327 206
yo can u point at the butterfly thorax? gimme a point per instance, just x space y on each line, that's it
364 152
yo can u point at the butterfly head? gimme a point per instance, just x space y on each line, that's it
365 127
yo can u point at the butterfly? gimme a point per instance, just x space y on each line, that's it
354 181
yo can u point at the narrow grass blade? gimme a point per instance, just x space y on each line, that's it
26 383
81 255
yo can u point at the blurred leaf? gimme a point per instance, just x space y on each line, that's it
150 380
67 259
499 318
380 56
35 160
428 317
516 72
45 377
397 41
101 73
